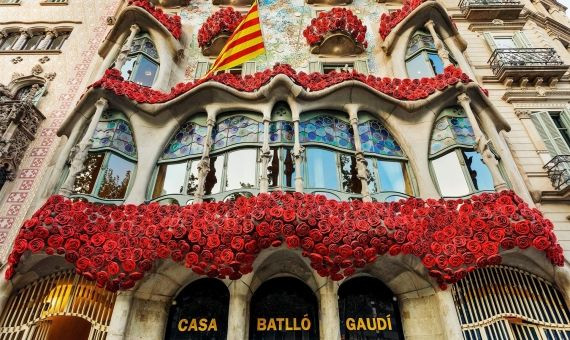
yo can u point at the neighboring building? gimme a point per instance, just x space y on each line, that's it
134 189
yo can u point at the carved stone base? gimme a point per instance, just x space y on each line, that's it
338 44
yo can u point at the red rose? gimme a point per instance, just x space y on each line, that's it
497 234
523 242
20 246
293 241
455 261
522 227
474 246
129 266
227 255
213 241
428 260
36 245
237 243
541 243
83 263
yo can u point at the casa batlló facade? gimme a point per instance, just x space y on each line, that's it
386 170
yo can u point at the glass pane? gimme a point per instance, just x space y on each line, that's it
480 174
449 175
85 180
8 42
418 67
288 168
376 139
373 185
189 140
240 172
32 42
350 181
273 168
127 68
170 179
58 42
393 176
146 72
116 177
321 169
436 63
237 129
505 42
327 130
214 178
193 178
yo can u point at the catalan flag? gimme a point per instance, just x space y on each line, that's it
244 44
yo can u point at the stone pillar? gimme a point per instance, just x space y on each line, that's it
448 315
149 317
483 144
238 322
298 151
120 316
122 58
361 163
265 154
24 36
48 38
441 51
81 150
328 308
6 288
204 164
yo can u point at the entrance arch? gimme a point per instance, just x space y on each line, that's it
284 308
368 310
200 312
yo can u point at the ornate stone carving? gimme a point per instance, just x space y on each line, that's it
44 59
37 70
50 76
522 114
16 60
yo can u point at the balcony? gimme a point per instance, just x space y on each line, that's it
558 169
491 9
527 64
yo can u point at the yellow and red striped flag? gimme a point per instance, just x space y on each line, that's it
244 44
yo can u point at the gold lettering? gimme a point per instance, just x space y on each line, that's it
280 322
305 323
213 326
182 325
368 326
193 325
261 324
287 327
350 324
360 326
389 322
203 325
271 325
381 323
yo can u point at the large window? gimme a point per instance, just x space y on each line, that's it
142 61
554 129
422 59
281 166
111 162
31 93
458 169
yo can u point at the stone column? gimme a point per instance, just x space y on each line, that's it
80 151
361 163
328 308
298 151
441 51
6 288
204 164
120 316
122 58
483 144
48 38
24 36
238 322
448 315
265 154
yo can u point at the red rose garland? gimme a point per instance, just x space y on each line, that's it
116 245
172 23
223 21
389 21
403 89
337 19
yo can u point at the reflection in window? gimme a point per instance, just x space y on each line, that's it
33 42
478 171
281 168
176 178
422 59
142 62
320 165
240 170
8 42
57 43
116 177
449 175
393 176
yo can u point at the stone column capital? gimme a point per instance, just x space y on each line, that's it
463 99
135 29
522 114
102 104
429 24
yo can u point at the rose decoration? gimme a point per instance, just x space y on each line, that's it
336 20
223 239
172 23
402 89
223 21
389 21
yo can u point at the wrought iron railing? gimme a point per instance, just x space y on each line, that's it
466 4
524 57
558 169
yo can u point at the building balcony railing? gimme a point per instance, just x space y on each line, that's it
558 169
542 64
491 9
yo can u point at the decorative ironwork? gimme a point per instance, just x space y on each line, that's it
523 57
464 5
558 169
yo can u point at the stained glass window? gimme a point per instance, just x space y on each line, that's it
114 132
452 129
188 140
376 139
142 62
327 130
236 130
281 132
422 58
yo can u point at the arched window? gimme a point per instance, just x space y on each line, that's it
8 41
199 312
31 93
389 171
422 59
368 310
111 161
177 172
234 158
500 302
458 169
61 306
281 165
142 61
278 308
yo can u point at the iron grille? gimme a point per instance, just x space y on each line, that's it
558 169
523 57
466 4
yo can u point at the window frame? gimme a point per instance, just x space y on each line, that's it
425 51
138 55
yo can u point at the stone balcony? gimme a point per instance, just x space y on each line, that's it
491 9
535 65
558 170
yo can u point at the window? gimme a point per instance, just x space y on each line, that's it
247 68
360 66
57 43
7 43
33 42
32 92
10 2
142 62
281 165
554 129
111 161
458 169
515 40
422 59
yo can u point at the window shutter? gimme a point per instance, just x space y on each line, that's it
490 41
249 68
521 40
315 66
552 138
201 69
565 118
361 66
39 94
